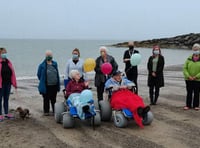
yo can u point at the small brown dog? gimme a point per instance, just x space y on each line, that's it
23 113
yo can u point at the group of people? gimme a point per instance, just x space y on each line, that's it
49 80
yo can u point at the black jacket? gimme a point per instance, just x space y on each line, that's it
159 71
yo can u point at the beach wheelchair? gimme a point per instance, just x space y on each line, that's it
122 116
77 105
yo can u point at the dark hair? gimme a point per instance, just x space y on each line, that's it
77 50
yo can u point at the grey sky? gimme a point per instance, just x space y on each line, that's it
98 19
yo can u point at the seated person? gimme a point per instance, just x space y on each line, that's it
122 97
78 94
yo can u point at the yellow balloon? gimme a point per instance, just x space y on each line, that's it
89 64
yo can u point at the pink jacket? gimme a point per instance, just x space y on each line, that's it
13 77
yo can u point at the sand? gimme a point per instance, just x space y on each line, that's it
172 127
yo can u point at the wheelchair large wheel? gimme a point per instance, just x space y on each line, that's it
59 109
97 119
148 118
96 104
120 120
68 121
105 110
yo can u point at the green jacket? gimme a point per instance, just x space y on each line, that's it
191 68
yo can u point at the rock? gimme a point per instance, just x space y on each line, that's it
185 41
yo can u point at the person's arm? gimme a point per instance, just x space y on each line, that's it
67 70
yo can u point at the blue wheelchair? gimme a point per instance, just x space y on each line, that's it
72 107
120 117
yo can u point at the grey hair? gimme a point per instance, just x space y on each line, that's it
73 73
196 46
48 52
103 48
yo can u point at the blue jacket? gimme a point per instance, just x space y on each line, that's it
42 75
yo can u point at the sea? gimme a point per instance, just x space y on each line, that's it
27 54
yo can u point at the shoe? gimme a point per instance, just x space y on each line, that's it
197 108
86 108
140 111
186 108
9 116
1 118
146 109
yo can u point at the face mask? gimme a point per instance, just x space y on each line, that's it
131 48
156 52
3 55
49 58
195 58
74 56
196 52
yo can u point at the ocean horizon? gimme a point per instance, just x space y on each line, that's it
27 54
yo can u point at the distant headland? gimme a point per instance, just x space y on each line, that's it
185 41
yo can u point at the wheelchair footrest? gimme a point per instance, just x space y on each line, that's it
127 113
73 111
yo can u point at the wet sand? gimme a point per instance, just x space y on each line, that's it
172 126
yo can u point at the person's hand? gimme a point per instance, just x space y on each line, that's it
126 60
86 83
153 74
123 87
191 78
194 78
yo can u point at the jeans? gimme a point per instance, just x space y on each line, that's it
4 95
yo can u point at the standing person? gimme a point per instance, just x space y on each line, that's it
49 81
100 78
75 63
131 71
155 68
191 71
7 78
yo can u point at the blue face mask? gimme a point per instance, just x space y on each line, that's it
74 56
4 55
156 52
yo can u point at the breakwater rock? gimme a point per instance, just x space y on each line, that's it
179 42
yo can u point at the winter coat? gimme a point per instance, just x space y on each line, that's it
75 87
191 68
99 76
159 71
13 77
42 76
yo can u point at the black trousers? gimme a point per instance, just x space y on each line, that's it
100 90
192 98
49 97
154 93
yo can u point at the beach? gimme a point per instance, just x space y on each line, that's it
172 127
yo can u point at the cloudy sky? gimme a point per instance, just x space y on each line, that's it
98 19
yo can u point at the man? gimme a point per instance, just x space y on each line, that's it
100 78
122 97
131 71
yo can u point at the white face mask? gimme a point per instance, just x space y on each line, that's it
196 52
156 52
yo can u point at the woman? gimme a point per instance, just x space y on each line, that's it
191 71
76 85
100 78
78 95
155 68
49 82
74 63
7 78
